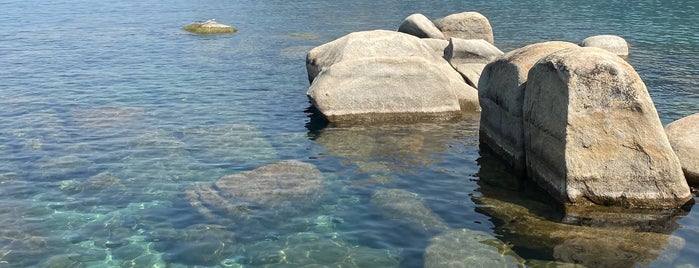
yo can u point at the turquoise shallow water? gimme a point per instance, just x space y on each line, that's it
109 113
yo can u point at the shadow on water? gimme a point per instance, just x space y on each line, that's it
532 221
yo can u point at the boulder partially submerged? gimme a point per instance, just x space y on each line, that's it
469 248
403 205
684 139
385 76
209 27
501 94
593 137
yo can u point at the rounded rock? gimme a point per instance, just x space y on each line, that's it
684 139
611 43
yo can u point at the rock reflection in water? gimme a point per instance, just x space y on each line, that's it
389 147
525 217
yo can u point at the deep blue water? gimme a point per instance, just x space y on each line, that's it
109 112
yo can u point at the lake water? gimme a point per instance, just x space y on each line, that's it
109 113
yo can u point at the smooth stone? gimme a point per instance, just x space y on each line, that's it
501 95
466 25
437 45
611 43
469 57
684 139
389 89
593 136
420 26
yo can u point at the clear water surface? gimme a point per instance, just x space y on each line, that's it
109 113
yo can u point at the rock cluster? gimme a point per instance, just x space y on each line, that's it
577 119
409 75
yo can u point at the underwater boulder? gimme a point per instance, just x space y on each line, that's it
593 136
286 185
468 248
403 205
420 26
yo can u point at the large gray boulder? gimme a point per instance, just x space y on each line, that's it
612 43
383 75
366 44
469 248
501 94
392 88
466 25
593 136
684 139
469 57
420 26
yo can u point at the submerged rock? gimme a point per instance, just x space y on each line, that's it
501 95
313 250
611 43
209 27
593 137
468 248
200 244
229 145
420 26
107 116
285 185
466 25
403 205
684 139
603 246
